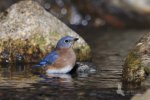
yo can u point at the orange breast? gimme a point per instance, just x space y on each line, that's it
67 57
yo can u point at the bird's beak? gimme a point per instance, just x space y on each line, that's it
75 39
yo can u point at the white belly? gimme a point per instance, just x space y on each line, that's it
63 70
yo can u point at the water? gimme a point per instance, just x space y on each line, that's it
109 47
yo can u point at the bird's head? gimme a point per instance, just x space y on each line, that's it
66 42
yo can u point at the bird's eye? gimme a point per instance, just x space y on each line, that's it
66 41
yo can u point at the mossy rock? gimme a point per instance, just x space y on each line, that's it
137 63
28 33
133 70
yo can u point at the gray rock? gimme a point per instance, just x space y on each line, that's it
29 31
86 67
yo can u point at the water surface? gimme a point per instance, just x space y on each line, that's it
109 48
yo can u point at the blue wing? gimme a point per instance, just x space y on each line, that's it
49 59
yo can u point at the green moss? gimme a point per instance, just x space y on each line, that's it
11 50
35 48
55 34
132 68
133 60
40 40
83 53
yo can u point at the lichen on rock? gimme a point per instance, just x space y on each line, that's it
137 63
29 31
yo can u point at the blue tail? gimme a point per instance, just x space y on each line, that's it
48 60
41 64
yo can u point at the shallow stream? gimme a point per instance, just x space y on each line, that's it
109 48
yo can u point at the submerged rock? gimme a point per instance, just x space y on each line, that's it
137 63
85 67
28 33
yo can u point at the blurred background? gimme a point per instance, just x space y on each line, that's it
111 28
96 13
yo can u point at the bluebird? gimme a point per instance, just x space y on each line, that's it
62 59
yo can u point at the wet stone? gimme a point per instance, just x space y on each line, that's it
86 67
28 33
136 65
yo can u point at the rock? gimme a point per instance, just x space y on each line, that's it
144 96
85 67
29 32
137 63
62 9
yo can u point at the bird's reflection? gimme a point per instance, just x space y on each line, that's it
62 76
14 73
59 80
